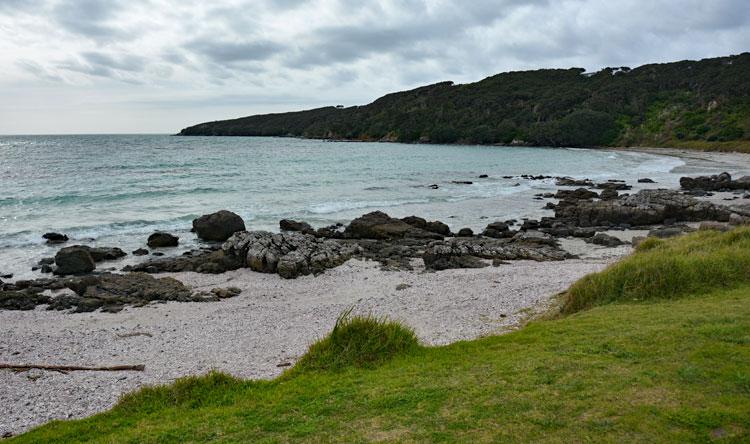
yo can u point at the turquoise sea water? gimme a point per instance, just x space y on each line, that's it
114 190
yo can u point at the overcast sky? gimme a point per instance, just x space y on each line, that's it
101 66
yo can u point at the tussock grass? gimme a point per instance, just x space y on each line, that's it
667 269
360 342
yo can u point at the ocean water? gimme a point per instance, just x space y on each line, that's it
114 190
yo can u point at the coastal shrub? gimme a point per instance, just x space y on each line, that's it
358 341
666 269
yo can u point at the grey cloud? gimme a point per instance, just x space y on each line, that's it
229 52
38 70
90 18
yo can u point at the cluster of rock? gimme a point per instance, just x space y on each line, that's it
108 292
719 182
289 254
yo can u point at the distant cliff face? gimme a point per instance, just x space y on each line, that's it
706 101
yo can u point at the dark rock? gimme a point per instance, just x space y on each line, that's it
55 238
46 261
530 224
549 206
47 269
720 182
605 240
161 239
613 185
498 230
293 225
6 276
646 180
378 225
433 186
570 182
74 260
609 194
157 253
577 194
667 232
218 226
400 287
483 176
200 261
462 182
647 207
468 252
465 232
434 227
21 300
140 252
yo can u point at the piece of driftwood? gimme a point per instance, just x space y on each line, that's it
72 368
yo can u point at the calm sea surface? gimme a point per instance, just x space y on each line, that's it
114 190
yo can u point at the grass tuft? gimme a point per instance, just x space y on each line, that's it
358 341
666 269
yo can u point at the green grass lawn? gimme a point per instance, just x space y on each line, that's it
670 368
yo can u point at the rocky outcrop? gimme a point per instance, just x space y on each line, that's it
161 239
719 182
289 254
647 207
199 261
466 253
74 260
218 226
378 225
570 182
465 232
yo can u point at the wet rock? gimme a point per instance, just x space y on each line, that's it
433 186
293 225
161 239
46 261
378 225
74 260
570 182
577 194
615 185
289 254
140 252
55 238
605 240
6 275
465 232
100 254
331 232
218 226
462 182
483 176
646 180
647 207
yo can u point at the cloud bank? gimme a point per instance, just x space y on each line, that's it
160 65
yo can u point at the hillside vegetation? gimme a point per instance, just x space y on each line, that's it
648 363
693 104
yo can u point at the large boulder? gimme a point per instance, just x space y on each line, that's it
647 207
498 230
100 254
378 225
288 254
434 226
604 240
218 226
577 194
716 182
161 239
74 260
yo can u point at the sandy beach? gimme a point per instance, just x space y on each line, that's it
258 333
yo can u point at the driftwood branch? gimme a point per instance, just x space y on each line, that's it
71 368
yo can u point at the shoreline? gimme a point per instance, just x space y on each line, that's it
270 324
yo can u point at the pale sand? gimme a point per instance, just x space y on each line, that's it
272 322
